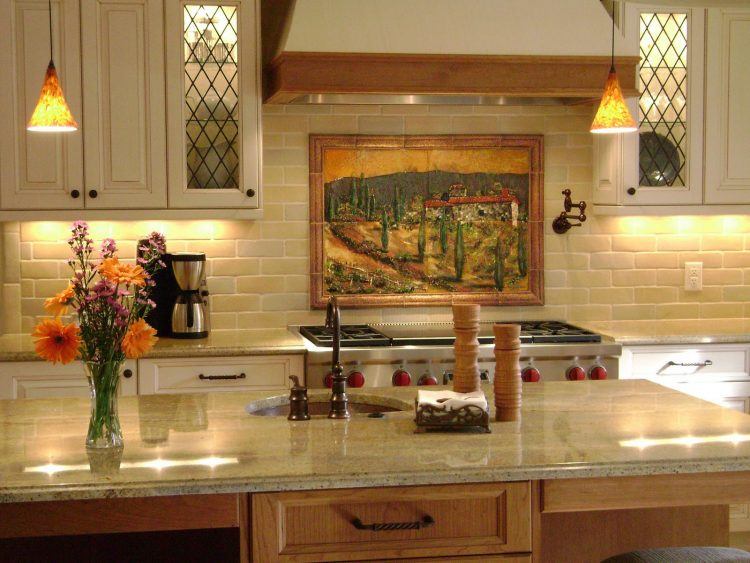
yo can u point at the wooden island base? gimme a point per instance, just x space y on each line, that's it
555 520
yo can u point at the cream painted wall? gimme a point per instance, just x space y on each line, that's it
611 268
487 27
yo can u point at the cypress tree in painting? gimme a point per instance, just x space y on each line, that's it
522 259
331 207
353 194
422 240
384 230
459 251
443 232
397 206
499 273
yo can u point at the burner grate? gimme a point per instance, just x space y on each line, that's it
351 336
441 334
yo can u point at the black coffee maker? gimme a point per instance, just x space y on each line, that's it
164 294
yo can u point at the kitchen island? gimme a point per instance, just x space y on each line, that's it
587 460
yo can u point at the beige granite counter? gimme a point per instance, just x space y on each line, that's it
188 444
669 331
20 348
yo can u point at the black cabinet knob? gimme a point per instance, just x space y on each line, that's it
75 194
93 194
631 191
127 374
250 192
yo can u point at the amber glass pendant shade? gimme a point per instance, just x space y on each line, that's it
52 113
613 115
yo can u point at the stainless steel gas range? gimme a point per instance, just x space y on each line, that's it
380 355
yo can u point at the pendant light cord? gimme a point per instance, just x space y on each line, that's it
612 65
49 3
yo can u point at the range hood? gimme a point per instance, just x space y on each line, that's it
479 52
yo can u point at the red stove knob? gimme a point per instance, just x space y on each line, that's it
530 374
328 380
356 379
575 373
598 372
401 378
427 379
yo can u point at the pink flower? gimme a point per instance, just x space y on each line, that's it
109 248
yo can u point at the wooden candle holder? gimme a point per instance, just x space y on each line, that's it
466 348
507 384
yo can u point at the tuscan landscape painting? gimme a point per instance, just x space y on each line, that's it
426 220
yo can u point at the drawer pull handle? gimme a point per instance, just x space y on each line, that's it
425 522
214 377
703 364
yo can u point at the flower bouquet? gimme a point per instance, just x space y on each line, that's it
110 298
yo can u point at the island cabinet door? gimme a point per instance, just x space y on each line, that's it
394 523
40 380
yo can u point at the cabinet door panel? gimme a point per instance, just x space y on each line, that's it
213 101
123 71
670 87
39 170
727 111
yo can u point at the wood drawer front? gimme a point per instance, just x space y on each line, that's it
106 516
317 525
183 375
727 362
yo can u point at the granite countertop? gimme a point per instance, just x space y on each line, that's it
189 444
670 331
20 347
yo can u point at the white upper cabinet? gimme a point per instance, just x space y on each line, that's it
38 170
124 110
662 164
167 97
727 108
213 104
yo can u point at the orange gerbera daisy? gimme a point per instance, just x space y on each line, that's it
116 272
139 339
56 342
58 304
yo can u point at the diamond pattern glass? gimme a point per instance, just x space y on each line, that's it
663 102
211 96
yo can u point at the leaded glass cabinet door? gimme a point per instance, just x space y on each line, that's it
213 104
663 162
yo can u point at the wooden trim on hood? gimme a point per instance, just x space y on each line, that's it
293 74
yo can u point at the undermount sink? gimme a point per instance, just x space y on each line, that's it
318 406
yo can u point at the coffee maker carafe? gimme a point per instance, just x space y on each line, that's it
190 314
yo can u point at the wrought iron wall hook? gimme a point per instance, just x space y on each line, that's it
562 223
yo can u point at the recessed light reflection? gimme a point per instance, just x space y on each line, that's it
157 464
642 443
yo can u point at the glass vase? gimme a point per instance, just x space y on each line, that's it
104 424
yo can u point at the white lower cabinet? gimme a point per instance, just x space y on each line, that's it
197 375
39 380
719 373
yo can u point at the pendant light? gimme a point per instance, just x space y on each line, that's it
613 115
51 114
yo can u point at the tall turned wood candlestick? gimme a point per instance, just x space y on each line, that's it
466 348
507 383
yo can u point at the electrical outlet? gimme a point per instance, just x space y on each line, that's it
693 276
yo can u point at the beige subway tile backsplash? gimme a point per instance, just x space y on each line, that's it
619 268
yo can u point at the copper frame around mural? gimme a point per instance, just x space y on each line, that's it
534 295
